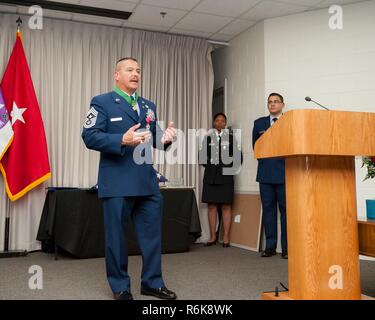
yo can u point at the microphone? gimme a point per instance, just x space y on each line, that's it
308 99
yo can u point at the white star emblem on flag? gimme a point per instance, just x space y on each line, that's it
16 113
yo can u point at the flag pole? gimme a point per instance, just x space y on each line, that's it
11 253
7 225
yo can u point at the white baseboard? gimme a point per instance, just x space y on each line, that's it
367 258
243 247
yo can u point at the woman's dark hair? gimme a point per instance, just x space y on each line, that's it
220 114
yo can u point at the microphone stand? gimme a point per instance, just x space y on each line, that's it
308 99
320 105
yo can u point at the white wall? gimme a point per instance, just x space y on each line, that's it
243 65
301 56
304 57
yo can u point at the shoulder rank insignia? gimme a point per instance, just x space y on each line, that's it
92 116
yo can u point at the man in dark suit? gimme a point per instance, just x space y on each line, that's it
271 178
127 181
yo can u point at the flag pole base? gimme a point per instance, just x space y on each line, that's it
13 253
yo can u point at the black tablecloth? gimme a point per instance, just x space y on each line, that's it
72 220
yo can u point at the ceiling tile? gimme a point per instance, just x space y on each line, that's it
57 14
190 33
328 3
109 4
141 26
221 37
46 13
232 8
67 1
237 26
49 13
202 22
132 1
151 16
306 3
173 4
270 9
210 18
97 19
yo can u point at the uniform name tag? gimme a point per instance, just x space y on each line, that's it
116 119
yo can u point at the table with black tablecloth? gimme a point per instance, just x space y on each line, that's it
72 220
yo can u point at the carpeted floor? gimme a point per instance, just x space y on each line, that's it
215 273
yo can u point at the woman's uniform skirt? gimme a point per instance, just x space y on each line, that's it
218 193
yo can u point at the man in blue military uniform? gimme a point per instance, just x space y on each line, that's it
123 127
271 178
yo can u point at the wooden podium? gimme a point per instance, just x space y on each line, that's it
319 147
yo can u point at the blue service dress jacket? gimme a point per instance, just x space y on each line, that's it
271 170
123 170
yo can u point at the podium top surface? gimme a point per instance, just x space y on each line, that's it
319 132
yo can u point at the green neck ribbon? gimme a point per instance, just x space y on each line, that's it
129 99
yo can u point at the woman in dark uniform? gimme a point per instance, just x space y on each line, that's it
218 183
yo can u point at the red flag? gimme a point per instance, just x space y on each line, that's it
25 164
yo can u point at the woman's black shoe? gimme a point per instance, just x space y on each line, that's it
209 244
226 245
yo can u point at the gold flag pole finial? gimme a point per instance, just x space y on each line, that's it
19 24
